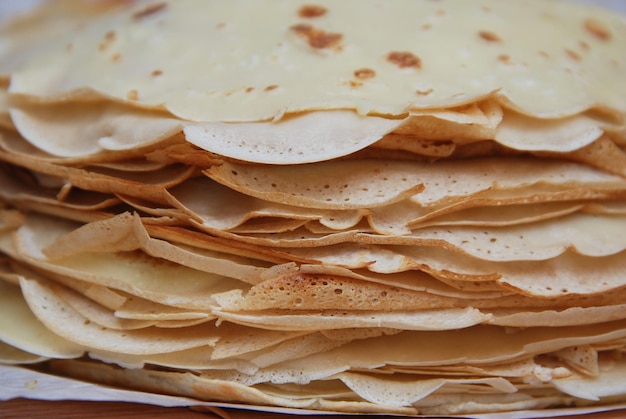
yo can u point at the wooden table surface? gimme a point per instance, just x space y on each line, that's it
23 408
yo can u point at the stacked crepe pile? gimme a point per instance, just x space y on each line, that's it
410 207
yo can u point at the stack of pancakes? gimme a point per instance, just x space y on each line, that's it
408 207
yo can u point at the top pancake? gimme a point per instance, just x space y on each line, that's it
388 58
